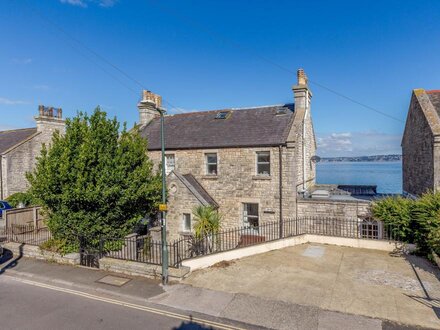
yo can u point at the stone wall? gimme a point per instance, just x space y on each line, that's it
180 201
22 159
330 208
417 150
236 183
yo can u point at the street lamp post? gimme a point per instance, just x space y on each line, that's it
164 201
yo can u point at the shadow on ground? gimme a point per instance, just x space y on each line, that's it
8 261
191 325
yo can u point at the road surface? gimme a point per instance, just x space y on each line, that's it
26 304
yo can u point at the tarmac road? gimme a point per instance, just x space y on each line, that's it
25 304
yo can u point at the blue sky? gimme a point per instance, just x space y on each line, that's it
202 55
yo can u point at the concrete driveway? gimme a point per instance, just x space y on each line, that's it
356 281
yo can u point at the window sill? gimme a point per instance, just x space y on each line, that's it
210 177
185 233
261 177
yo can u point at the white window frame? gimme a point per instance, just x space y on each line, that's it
246 216
184 223
167 170
257 162
208 164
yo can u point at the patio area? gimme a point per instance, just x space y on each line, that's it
372 283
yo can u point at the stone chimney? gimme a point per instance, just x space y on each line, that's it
301 91
148 107
49 120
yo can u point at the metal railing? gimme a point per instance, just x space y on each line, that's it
27 234
143 249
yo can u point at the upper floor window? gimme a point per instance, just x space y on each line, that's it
211 163
170 163
263 163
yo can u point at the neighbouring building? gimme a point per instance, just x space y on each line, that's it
421 143
249 163
20 148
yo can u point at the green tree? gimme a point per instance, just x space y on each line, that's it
95 180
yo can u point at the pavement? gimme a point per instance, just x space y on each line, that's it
28 280
371 283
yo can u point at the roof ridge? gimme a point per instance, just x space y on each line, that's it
433 91
233 109
17 129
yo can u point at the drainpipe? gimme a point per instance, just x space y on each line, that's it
304 141
280 161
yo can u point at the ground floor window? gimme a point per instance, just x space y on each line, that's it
250 215
186 226
370 229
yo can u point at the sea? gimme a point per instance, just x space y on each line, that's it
387 176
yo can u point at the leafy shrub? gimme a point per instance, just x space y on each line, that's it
418 221
396 212
25 198
61 246
426 217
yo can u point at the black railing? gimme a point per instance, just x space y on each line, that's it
27 234
143 249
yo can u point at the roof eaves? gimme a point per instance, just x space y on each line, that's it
20 143
429 111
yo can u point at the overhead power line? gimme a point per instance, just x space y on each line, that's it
190 22
97 55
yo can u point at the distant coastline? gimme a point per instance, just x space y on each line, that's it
375 158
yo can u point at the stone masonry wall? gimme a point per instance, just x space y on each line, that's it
329 208
417 150
180 201
22 159
236 183
310 151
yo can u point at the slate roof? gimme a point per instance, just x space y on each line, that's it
434 97
196 189
247 127
10 138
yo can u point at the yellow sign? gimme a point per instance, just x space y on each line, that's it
163 207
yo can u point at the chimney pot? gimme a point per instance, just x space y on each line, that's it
149 96
302 77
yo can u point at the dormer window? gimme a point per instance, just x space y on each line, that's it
222 115
281 111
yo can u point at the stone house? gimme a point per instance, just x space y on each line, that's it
20 148
421 143
249 163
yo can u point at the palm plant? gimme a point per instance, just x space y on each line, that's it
207 224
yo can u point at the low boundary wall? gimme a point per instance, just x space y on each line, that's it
33 251
209 260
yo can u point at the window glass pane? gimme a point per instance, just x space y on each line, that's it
169 163
264 169
263 157
263 163
187 222
250 216
212 169
211 164
211 158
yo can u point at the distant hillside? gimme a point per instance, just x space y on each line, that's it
376 158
